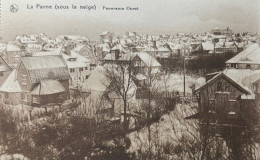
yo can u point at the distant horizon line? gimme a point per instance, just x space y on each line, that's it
97 36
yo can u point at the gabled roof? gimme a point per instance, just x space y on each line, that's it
79 62
11 84
45 67
97 80
232 81
251 53
3 65
149 60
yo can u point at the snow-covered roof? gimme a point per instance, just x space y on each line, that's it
208 46
12 48
54 52
46 67
80 61
149 60
163 49
250 55
242 78
245 77
97 80
11 84
47 87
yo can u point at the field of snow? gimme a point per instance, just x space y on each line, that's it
171 129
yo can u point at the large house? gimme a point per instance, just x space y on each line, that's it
79 67
229 101
37 81
226 47
247 59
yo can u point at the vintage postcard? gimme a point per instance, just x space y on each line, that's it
129 79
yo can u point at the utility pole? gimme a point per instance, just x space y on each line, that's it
184 72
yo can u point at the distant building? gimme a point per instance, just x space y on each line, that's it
146 64
247 59
79 67
226 47
218 31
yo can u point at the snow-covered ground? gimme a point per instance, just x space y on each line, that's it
171 129
175 132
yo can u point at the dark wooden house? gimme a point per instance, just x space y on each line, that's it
43 80
226 106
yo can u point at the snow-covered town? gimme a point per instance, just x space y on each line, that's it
131 96
130 80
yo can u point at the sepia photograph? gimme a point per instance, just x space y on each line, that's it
129 80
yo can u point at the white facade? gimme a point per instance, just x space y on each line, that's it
79 67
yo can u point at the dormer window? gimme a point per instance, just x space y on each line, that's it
72 59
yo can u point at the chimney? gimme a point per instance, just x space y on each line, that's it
68 49
117 52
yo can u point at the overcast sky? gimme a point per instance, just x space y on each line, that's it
153 17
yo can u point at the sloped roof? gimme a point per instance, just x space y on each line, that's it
208 46
48 87
97 80
245 77
80 60
234 81
3 65
250 55
46 67
12 48
11 84
149 60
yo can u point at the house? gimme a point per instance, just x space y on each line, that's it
10 90
32 48
185 49
145 63
229 102
218 31
43 80
196 48
5 70
26 39
79 67
163 52
208 47
13 54
247 59
226 47
88 52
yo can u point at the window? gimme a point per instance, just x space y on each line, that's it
72 59
86 68
80 69
87 77
248 66
25 96
6 96
219 86
72 70
36 99
236 66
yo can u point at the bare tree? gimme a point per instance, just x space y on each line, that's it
120 77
